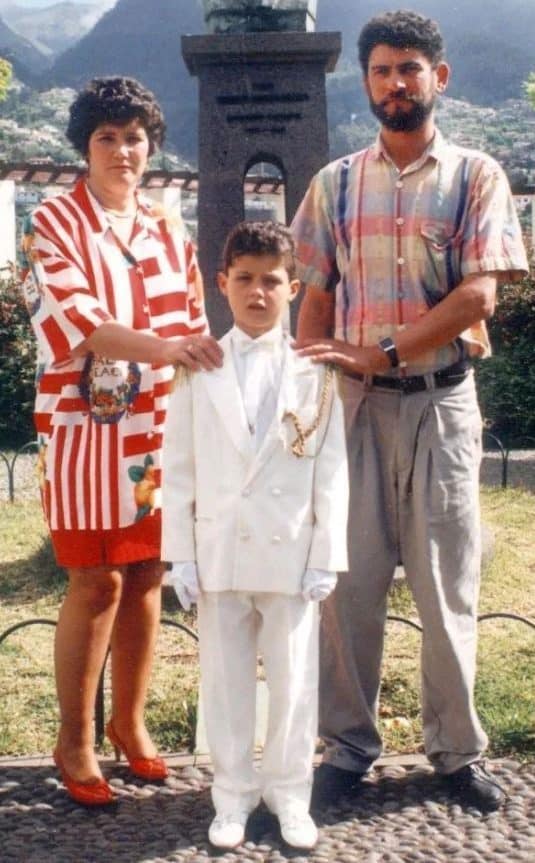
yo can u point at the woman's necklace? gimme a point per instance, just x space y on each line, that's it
113 214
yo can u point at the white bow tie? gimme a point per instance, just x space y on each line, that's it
244 346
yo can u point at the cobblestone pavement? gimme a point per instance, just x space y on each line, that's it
402 815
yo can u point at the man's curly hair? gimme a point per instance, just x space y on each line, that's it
260 238
114 100
401 29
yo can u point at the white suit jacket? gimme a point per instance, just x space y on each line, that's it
254 521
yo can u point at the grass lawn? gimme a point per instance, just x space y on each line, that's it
31 587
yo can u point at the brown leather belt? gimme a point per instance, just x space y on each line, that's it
447 377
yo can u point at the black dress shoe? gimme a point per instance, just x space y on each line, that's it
331 783
474 786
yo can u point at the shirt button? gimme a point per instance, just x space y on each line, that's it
399 184
276 492
400 221
146 309
401 261
150 435
401 295
275 538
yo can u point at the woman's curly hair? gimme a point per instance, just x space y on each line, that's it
114 100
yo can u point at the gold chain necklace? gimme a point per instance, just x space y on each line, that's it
298 445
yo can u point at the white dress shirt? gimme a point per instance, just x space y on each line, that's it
258 364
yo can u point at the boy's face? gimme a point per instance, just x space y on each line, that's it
258 289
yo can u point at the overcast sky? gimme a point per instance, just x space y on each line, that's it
33 3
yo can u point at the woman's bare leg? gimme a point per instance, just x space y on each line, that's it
132 650
82 637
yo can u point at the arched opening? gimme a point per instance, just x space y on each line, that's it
264 190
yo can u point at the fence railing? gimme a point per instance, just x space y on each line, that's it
10 462
99 703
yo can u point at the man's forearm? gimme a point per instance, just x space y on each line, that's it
472 301
316 314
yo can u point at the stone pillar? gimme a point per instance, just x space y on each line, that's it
261 99
8 253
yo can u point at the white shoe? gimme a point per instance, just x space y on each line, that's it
227 830
298 829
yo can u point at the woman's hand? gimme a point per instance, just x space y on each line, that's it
195 352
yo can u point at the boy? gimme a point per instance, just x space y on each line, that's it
254 512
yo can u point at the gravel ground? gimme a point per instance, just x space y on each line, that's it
520 472
400 816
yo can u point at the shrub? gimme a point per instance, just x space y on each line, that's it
17 367
506 381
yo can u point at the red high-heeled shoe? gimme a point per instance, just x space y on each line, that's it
96 792
151 769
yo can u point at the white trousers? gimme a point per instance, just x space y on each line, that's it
414 467
233 627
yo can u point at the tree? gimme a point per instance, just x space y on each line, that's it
506 381
17 367
5 77
529 88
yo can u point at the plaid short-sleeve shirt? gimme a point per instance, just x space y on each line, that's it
100 421
391 244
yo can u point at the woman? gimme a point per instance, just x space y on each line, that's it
118 304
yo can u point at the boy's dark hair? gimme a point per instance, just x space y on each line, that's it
401 29
260 238
114 100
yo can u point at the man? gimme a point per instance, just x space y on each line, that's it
401 248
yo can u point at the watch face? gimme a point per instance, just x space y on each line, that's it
389 348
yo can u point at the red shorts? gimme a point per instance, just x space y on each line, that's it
81 548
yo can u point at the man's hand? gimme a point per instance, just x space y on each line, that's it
366 361
195 352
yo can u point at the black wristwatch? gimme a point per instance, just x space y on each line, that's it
388 346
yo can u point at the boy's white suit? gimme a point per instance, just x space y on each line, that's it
254 520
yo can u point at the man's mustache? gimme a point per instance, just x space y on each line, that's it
399 96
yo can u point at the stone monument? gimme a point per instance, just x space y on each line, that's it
253 16
261 72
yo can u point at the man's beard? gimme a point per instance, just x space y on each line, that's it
403 120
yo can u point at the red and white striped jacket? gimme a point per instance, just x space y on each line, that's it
100 421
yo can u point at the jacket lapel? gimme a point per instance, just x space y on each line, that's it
223 390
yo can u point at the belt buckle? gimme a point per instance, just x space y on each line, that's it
412 384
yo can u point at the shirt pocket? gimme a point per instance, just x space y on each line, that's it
443 255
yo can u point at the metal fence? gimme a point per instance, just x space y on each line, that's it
492 441
99 704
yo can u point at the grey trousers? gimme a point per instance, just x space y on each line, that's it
414 469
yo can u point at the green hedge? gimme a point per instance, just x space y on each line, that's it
17 367
506 381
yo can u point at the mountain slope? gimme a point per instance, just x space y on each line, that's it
53 29
490 45
27 61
